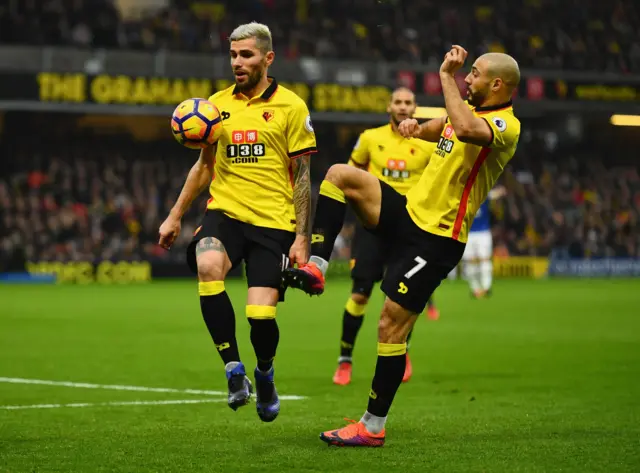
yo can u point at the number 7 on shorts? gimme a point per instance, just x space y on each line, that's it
421 263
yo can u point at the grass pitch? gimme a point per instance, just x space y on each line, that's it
545 376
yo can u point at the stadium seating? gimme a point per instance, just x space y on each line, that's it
572 34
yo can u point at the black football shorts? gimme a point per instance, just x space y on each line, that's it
264 250
418 261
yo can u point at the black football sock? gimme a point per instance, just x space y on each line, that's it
388 377
265 334
351 322
329 218
218 314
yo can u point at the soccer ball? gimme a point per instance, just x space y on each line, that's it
196 123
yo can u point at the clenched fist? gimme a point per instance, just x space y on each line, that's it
169 231
453 60
409 128
299 252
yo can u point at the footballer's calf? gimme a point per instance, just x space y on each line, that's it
395 323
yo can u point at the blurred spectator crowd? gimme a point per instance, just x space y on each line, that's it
106 200
576 208
62 206
561 34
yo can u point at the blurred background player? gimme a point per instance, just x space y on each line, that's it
258 211
399 162
478 254
427 228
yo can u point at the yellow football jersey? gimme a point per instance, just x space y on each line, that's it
391 158
253 178
460 175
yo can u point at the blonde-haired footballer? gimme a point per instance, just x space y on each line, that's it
258 177
427 229
399 162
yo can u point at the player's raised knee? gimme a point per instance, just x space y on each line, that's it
352 182
344 177
336 173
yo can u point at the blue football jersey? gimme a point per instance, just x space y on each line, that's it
481 221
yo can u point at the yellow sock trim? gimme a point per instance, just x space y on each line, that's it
355 309
392 349
261 312
210 288
332 191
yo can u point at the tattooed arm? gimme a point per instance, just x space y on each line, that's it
299 252
302 193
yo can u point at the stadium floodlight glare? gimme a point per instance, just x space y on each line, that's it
429 112
625 120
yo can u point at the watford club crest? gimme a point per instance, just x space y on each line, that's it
267 115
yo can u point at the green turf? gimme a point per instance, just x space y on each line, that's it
545 376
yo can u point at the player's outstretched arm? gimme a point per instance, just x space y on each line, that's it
431 130
428 131
467 127
299 252
198 179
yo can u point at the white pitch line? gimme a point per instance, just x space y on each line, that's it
118 387
98 404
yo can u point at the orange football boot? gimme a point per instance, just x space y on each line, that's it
433 313
343 374
353 435
408 370
306 277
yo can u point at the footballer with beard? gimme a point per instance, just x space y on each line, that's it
426 229
259 211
